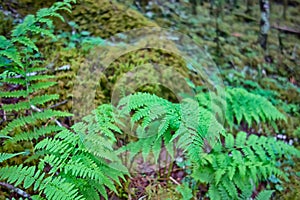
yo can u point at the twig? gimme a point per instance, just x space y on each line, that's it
39 110
17 190
174 181
58 104
143 197
294 52
62 68
4 114
286 29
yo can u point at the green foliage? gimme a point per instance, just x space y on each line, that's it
241 106
17 51
158 115
240 164
266 194
82 163
76 39
185 191
6 156
81 160
85 157
160 122
19 56
232 169
53 187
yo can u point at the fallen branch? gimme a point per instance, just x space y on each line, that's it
39 110
58 104
286 29
62 68
246 17
173 180
17 190
275 26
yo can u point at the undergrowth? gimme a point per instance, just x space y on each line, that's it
83 161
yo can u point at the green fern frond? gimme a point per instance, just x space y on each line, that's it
35 134
39 78
37 100
6 156
14 94
59 189
16 81
85 153
241 106
107 121
52 187
264 195
26 42
251 107
214 193
31 119
40 85
240 161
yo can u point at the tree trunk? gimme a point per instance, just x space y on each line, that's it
249 7
264 23
194 6
285 4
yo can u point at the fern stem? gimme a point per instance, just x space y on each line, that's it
170 169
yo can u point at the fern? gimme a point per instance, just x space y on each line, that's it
83 156
185 191
86 154
160 122
241 161
239 106
156 119
266 194
53 187
18 57
6 156
82 160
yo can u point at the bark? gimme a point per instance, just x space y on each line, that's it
249 7
285 4
194 6
264 23
17 190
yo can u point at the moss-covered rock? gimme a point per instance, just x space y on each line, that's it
105 19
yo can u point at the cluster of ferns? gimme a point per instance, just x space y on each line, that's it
83 161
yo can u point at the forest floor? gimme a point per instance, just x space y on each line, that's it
230 36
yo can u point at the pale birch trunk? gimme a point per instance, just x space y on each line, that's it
264 23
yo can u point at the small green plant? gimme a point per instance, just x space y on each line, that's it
232 169
240 164
82 163
241 106
80 160
77 39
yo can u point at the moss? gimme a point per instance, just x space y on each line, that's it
6 24
105 19
100 17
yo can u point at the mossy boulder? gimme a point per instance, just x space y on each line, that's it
100 17
105 19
